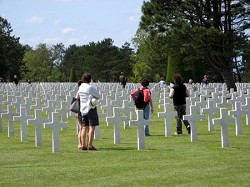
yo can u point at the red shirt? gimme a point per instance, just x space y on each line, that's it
146 92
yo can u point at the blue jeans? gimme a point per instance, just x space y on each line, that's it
146 111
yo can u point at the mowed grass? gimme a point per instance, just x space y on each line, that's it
165 161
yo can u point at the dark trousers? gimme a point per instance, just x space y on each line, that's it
181 110
123 84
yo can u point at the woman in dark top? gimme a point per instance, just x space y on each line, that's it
179 92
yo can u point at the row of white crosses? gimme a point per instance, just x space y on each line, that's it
112 105
213 106
211 103
125 114
50 94
54 108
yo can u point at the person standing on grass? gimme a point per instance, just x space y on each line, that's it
148 103
162 84
178 93
123 80
89 116
15 80
205 80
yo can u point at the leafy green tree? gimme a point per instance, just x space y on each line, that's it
72 77
174 66
210 26
57 54
102 59
141 71
38 64
246 63
11 51
72 59
183 56
152 51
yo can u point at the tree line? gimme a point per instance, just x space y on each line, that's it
189 37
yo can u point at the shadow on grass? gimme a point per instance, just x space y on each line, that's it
116 148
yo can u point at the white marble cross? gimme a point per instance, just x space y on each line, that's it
49 108
223 102
102 115
55 125
224 121
16 104
116 101
107 109
28 102
215 98
210 110
38 121
10 115
167 114
1 111
237 113
246 107
232 100
37 105
23 119
63 110
126 109
202 102
192 118
116 119
140 122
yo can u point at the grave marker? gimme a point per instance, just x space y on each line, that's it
9 114
167 114
224 121
192 118
38 121
55 125
210 110
23 119
116 119
237 113
140 122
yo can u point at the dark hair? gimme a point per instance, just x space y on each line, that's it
86 77
145 83
177 78
79 83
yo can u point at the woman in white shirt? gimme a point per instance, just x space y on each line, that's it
89 115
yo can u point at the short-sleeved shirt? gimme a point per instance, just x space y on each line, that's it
162 84
86 92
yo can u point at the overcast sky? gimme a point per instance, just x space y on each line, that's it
72 21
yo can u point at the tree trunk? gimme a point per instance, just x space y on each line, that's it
228 78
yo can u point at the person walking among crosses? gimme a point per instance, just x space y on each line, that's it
178 93
148 103
123 80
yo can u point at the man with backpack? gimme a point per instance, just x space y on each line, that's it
123 80
143 101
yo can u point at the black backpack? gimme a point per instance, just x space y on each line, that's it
139 99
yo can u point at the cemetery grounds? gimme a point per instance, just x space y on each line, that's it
165 161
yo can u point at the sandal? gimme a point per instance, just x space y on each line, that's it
92 148
84 148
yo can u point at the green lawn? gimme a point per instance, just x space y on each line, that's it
165 161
